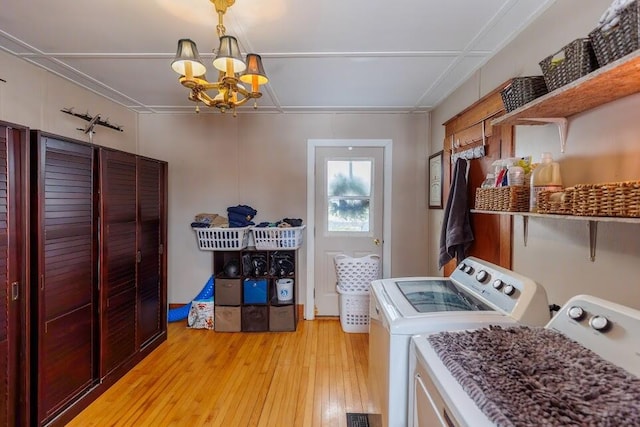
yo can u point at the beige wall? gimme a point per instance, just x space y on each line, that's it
217 161
602 146
33 97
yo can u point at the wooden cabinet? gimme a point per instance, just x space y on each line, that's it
151 298
98 224
133 302
248 301
64 275
14 279
118 208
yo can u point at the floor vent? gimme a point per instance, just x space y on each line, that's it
363 420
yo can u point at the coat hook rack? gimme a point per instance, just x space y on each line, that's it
93 121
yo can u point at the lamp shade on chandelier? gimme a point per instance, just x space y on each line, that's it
227 92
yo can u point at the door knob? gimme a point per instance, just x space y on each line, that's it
377 242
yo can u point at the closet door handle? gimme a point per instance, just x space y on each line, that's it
139 257
15 291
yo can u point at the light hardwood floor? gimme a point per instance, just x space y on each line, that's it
311 377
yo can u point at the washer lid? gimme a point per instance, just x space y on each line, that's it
427 296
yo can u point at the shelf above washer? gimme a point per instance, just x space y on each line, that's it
613 81
592 222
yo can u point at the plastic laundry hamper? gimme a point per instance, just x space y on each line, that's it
354 280
354 310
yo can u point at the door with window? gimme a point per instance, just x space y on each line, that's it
348 213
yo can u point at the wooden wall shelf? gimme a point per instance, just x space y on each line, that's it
592 222
613 81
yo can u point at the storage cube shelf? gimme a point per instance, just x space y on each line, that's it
249 301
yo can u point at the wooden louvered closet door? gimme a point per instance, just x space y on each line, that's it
65 280
151 315
13 276
118 258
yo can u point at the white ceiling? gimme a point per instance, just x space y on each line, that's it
320 55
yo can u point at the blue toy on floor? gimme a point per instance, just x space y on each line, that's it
181 313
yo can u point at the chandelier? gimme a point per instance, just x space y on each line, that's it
228 63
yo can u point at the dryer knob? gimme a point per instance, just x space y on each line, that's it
498 284
600 323
509 290
463 266
576 313
482 276
468 269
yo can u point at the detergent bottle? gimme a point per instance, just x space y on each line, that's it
546 176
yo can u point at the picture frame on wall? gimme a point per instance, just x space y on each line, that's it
435 180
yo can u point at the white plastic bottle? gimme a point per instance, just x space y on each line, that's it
546 176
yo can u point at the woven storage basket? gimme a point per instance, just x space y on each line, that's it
522 90
618 199
556 202
573 61
620 40
506 199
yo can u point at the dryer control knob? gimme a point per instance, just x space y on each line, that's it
498 284
600 323
576 313
509 290
482 276
462 266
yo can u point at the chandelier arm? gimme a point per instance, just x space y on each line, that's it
205 99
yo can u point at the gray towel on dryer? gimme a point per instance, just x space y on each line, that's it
456 235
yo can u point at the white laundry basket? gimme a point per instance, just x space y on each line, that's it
354 279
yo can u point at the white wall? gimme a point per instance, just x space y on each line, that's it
603 145
217 161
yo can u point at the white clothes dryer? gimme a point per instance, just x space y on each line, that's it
559 383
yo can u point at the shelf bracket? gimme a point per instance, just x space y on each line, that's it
525 229
562 124
593 238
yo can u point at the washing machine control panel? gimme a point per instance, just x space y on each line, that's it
502 288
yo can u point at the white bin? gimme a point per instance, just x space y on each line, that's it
284 288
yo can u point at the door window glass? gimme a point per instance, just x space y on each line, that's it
349 195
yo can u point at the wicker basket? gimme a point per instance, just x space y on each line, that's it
573 61
622 39
506 199
522 90
617 199
556 202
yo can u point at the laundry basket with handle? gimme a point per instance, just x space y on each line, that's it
354 279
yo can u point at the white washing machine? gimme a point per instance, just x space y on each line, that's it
610 331
477 293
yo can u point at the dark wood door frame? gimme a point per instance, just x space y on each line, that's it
467 129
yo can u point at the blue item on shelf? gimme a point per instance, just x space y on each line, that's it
255 291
